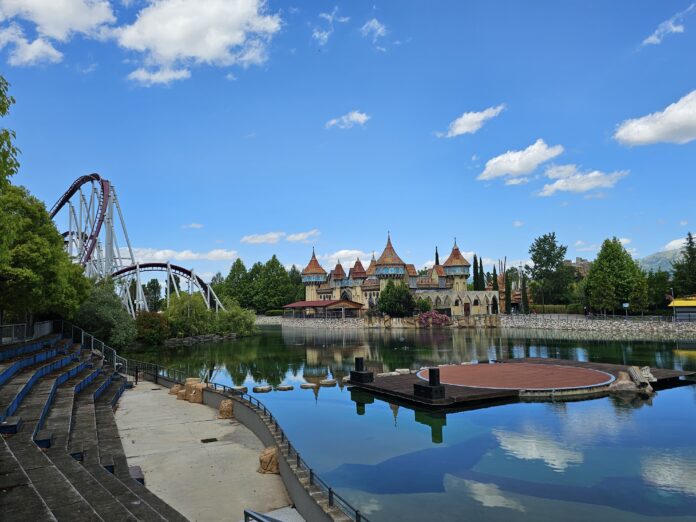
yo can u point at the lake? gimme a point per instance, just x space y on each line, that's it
602 459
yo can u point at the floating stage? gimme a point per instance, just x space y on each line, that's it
470 386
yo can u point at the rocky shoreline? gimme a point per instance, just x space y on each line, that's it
595 328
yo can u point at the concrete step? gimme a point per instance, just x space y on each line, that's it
19 500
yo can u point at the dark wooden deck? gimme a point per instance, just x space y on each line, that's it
399 388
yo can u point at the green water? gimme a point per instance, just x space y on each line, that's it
603 459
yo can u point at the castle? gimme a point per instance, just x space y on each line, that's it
443 285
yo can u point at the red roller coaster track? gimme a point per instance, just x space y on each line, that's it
101 213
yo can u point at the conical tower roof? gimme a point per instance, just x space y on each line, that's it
389 256
358 272
456 258
338 272
313 268
371 268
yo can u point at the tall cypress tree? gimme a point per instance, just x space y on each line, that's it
437 257
482 275
496 287
525 296
476 276
508 293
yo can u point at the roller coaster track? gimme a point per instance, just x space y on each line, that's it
91 240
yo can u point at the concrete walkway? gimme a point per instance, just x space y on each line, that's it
204 481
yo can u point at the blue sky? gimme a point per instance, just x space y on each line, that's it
273 127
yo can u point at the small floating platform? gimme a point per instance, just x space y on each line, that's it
469 386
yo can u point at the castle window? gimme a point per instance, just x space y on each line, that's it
456 302
476 302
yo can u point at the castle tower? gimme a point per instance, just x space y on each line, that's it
312 277
457 269
390 266
357 276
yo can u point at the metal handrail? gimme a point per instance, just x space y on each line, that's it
136 367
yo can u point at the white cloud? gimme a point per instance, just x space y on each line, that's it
518 162
670 26
304 237
348 120
373 28
192 225
491 496
26 53
570 179
675 124
517 224
428 264
581 246
321 35
348 257
683 223
670 471
470 122
516 181
59 19
624 241
152 255
172 34
162 76
270 238
675 244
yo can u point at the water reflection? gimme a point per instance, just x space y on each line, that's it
313 354
605 459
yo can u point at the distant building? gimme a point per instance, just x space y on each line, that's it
684 308
444 286
581 265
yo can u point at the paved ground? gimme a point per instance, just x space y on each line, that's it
520 376
204 481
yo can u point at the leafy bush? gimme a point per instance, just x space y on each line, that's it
273 313
103 315
234 319
153 328
188 316
423 305
433 318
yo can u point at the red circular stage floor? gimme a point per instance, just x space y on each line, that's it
520 376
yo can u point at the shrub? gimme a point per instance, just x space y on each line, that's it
423 305
152 327
396 300
234 319
273 313
433 318
103 315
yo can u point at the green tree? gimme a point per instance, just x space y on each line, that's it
508 292
482 276
37 274
152 327
9 165
615 278
188 315
476 273
658 289
103 315
297 289
423 305
496 286
685 269
238 283
547 259
234 319
396 300
271 287
153 295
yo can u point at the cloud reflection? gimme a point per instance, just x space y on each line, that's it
533 445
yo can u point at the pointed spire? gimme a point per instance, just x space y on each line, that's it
437 257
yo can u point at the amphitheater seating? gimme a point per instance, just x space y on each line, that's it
61 457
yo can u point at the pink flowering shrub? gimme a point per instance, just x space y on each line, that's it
432 318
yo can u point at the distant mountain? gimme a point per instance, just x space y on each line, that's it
660 260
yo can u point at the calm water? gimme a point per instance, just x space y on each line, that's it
604 459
